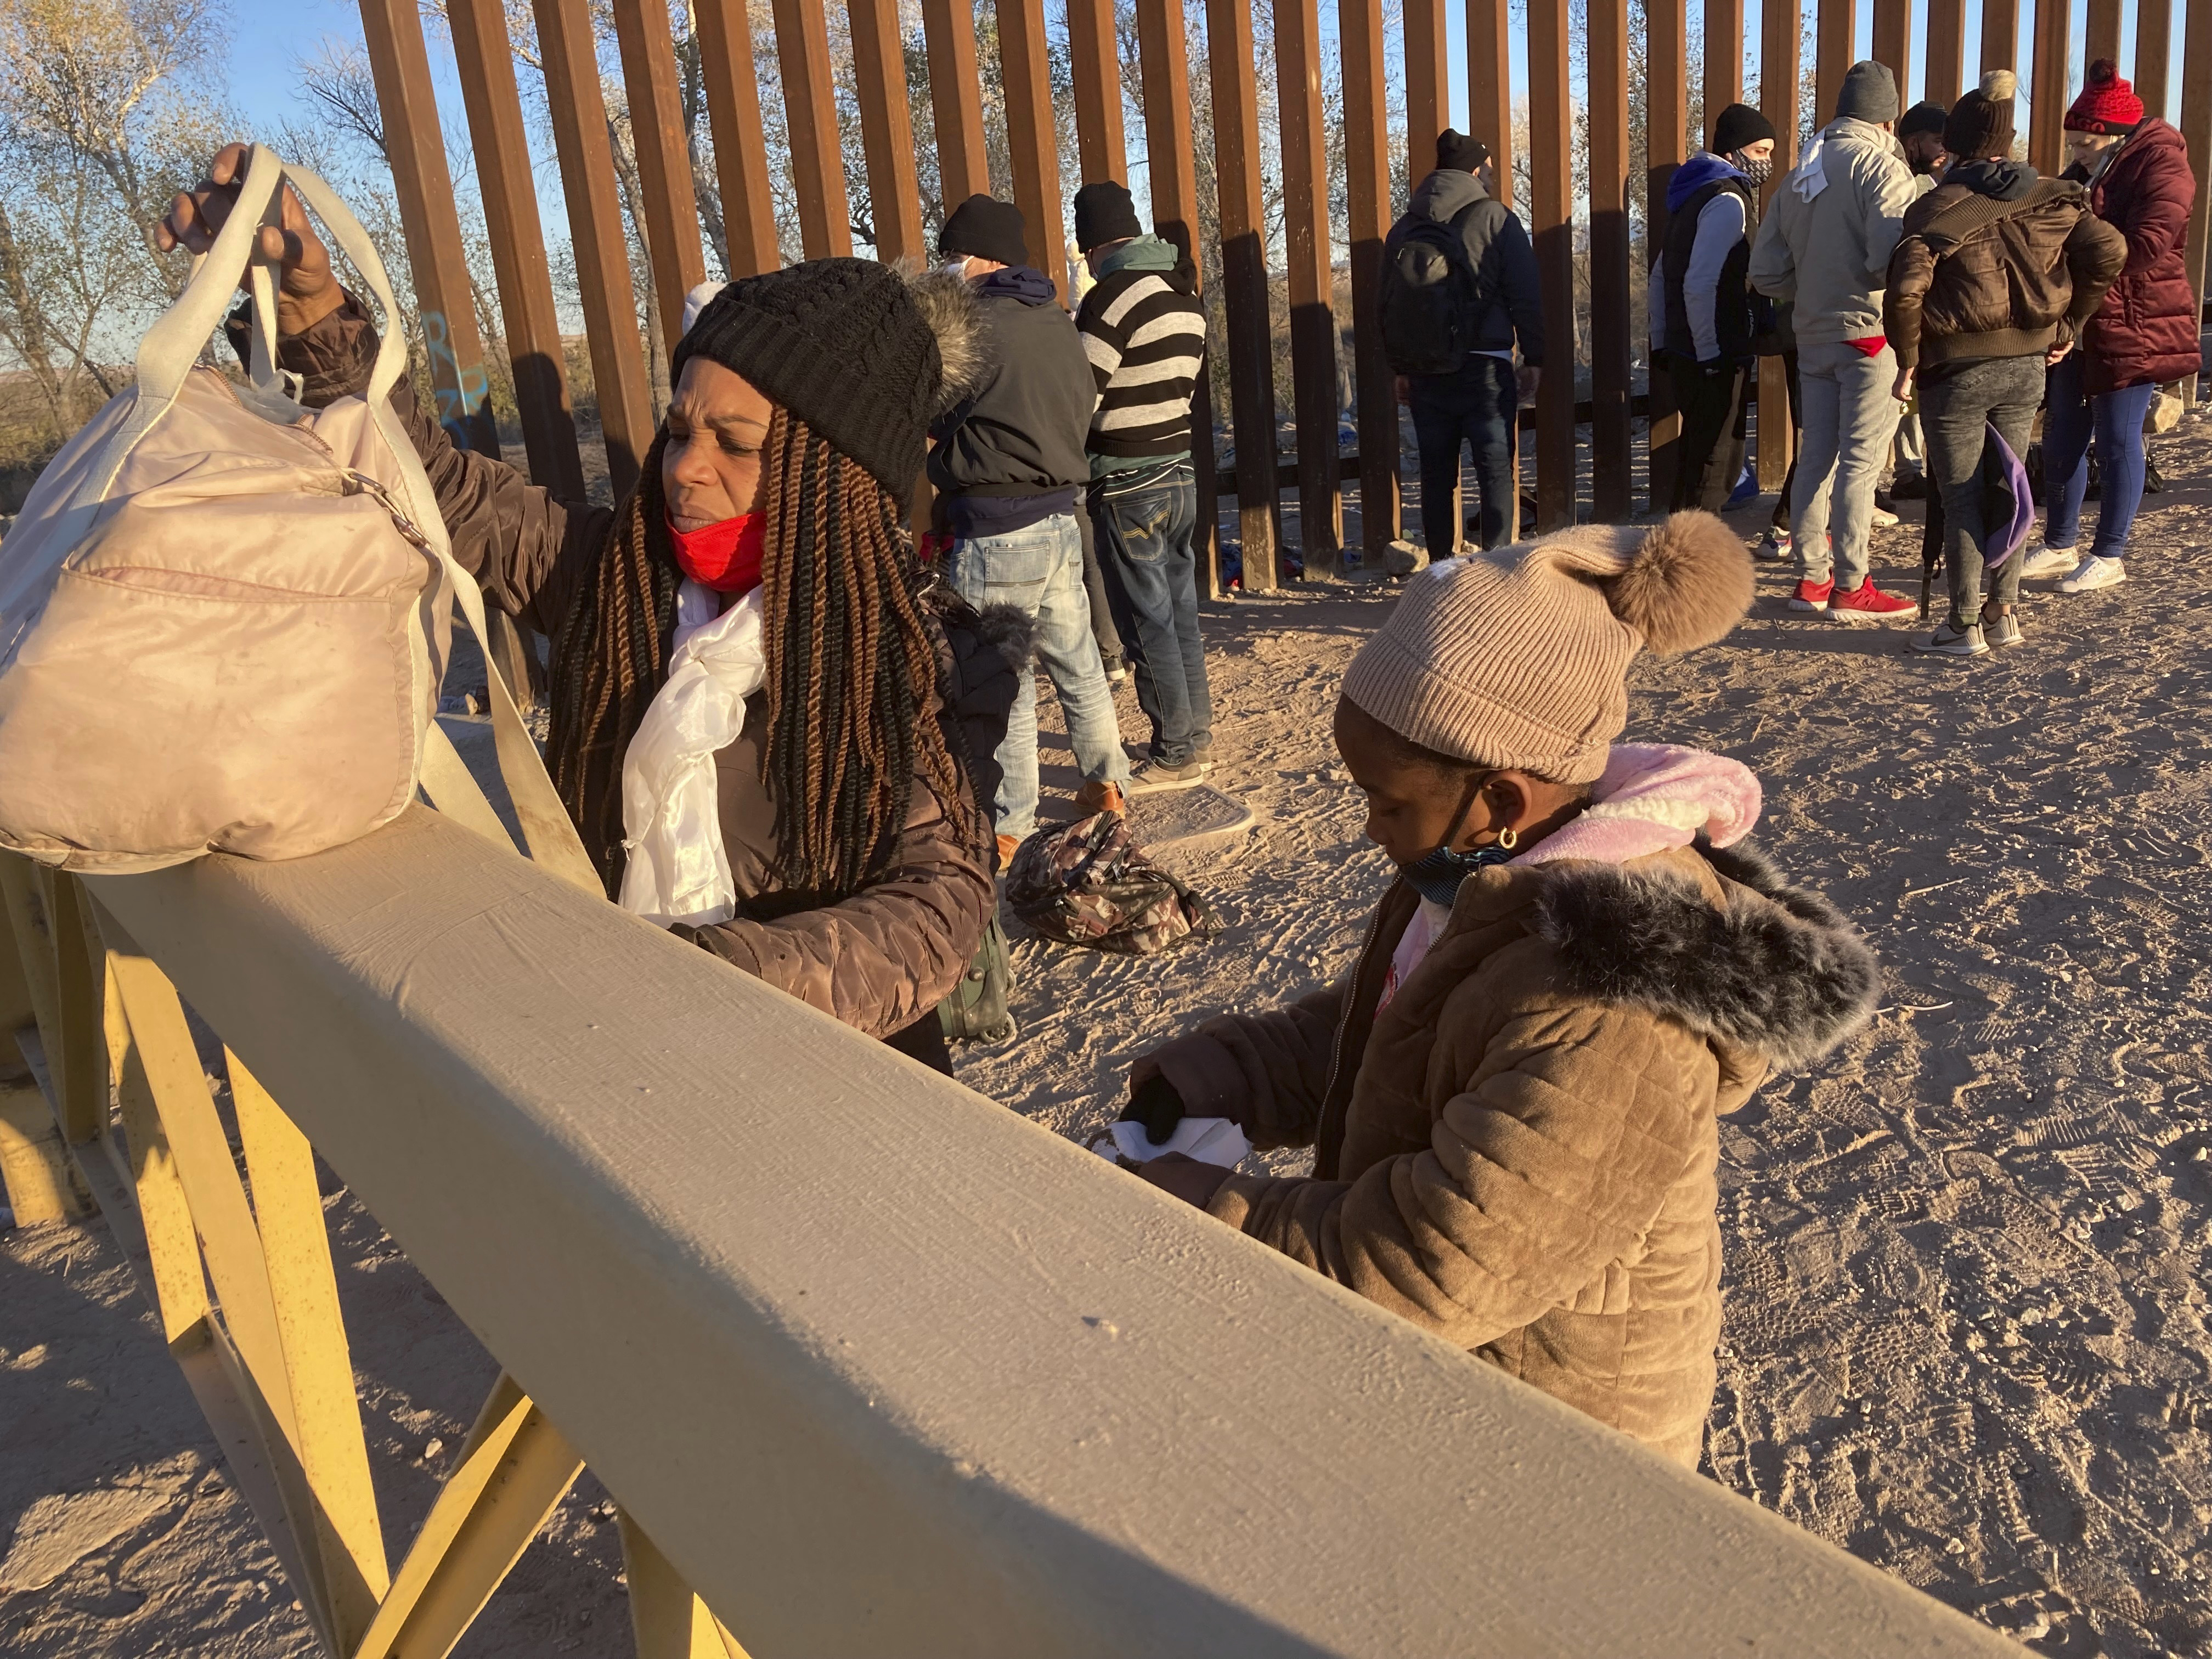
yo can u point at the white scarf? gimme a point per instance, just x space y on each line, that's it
678 869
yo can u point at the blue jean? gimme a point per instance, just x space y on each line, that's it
2070 419
1474 407
1145 519
1039 571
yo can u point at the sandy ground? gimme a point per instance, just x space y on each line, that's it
1965 1335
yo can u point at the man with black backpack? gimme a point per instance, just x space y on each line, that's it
1458 286
1703 322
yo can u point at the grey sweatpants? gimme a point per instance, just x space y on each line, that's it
1955 410
1849 420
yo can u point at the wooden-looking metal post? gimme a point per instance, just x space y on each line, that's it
733 115
1836 45
1428 86
1666 126
1101 149
1489 85
1552 201
1367 221
663 141
1946 51
1025 65
2154 53
2000 35
1608 260
1244 283
2196 131
416 146
886 128
1777 102
809 106
595 232
955 100
2101 36
1723 58
2046 141
1311 283
1163 52
1892 43
501 141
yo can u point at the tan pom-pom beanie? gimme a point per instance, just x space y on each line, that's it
1519 657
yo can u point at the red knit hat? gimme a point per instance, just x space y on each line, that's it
2107 104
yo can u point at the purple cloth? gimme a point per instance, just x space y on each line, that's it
2002 470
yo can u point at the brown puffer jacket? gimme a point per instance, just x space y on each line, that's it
1975 276
1519 1152
881 959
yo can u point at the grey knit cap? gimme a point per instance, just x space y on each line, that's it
1869 93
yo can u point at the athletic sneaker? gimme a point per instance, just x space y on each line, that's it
1149 774
1949 641
1813 596
2096 572
1116 672
1869 604
2049 560
1884 510
2003 629
1775 549
1746 487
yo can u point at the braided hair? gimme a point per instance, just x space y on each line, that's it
852 667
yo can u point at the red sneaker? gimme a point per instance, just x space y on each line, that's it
1870 604
1813 596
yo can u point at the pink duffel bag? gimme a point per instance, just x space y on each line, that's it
224 617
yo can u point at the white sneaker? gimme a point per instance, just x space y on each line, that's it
1883 517
2049 560
1775 549
2096 572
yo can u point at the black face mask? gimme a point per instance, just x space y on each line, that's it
1437 873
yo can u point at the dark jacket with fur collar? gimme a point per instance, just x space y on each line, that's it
1519 1152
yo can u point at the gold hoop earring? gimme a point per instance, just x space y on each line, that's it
1509 838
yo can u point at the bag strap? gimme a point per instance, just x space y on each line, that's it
547 832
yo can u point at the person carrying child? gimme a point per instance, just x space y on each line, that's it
1580 963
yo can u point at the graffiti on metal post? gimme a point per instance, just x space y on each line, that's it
461 391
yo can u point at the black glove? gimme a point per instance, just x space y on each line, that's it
1154 1103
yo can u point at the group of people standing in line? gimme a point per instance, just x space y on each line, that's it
1922 285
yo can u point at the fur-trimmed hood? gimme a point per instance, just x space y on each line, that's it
1778 971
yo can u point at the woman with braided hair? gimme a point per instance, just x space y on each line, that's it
756 586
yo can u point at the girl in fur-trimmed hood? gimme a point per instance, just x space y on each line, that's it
1512 1097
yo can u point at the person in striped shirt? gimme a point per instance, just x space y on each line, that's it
1144 332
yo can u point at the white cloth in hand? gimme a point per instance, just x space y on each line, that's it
1208 1140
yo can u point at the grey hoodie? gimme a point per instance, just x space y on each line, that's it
1832 224
1498 247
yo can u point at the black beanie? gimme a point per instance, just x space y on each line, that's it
987 228
1104 213
1979 127
1737 125
848 347
1459 152
1926 116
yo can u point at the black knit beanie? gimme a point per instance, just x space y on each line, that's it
985 228
1924 117
1460 152
845 345
1104 213
1737 125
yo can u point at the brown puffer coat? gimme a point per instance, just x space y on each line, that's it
1519 1152
1976 276
881 959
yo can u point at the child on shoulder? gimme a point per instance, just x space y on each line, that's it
1512 1097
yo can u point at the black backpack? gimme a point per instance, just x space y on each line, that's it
1432 295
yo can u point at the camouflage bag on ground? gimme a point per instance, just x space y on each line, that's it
1089 883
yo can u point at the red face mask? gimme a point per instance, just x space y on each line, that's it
725 556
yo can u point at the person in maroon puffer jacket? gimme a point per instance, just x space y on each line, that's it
2145 333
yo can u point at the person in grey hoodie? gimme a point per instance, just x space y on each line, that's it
1825 246
1477 404
1006 463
